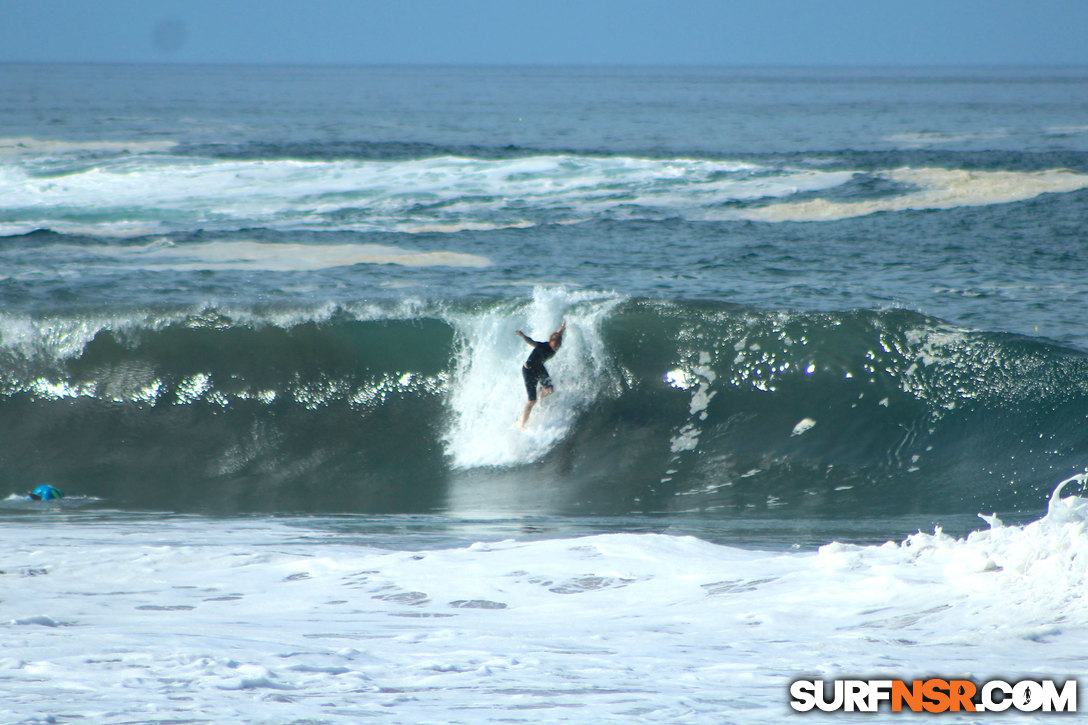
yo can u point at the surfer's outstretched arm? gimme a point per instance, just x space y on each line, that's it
531 341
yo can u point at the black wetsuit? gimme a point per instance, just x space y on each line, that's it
534 371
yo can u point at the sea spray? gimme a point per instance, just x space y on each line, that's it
487 393
1021 582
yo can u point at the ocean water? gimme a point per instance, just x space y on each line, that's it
825 374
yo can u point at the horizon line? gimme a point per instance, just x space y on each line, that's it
485 64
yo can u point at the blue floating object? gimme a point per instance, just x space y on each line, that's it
45 492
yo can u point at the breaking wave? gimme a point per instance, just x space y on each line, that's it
661 406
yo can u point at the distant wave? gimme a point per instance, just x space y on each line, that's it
108 190
661 406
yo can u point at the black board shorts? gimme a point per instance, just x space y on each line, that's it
533 376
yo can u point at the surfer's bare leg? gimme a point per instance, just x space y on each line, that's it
544 393
525 413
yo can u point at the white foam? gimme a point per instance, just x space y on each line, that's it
160 193
277 257
803 426
487 393
935 189
1067 130
20 502
454 227
699 380
926 139
250 620
26 147
1012 582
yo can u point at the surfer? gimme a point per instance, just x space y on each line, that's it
534 372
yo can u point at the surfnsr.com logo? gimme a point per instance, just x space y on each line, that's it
933 695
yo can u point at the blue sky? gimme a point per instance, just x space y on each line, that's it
628 32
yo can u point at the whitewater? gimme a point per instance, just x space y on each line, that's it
285 620
819 411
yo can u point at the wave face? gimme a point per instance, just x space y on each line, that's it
661 407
